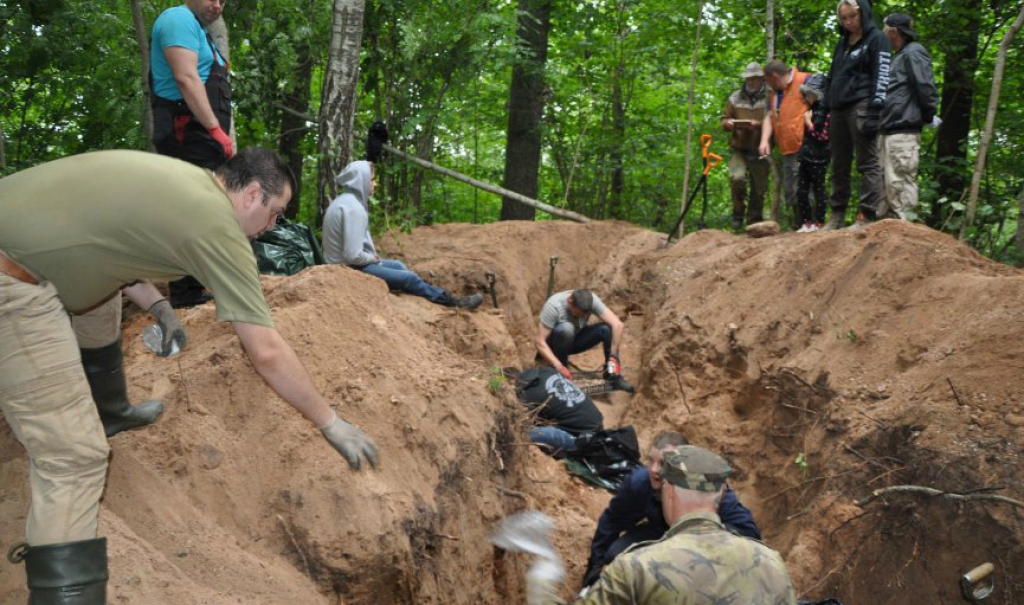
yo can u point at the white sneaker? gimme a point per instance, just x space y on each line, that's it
807 228
811 228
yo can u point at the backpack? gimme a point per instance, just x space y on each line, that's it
606 458
287 249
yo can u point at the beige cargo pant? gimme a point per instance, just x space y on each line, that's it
899 154
45 399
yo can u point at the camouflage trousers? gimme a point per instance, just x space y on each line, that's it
899 157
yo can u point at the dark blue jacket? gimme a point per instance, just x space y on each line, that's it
636 501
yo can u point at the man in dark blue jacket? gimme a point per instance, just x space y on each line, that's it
635 515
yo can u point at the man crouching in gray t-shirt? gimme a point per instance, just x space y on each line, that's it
564 332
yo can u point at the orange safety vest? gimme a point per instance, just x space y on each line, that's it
787 110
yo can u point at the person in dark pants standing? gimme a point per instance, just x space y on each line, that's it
814 156
858 80
191 99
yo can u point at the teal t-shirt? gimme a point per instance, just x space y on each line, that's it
178 27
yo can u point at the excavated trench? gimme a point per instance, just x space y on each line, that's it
824 367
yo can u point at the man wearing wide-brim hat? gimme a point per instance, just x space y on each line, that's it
742 116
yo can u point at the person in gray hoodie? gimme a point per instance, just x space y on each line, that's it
347 241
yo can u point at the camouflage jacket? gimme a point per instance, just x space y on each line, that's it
698 562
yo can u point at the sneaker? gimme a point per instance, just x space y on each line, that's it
813 227
835 222
819 225
861 222
619 383
807 228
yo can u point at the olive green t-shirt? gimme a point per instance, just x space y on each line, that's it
93 223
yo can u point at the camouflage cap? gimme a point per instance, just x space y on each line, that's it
692 467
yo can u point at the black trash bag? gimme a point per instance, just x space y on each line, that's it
287 249
606 458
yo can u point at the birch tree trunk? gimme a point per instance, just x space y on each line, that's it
143 41
689 116
990 118
338 98
770 28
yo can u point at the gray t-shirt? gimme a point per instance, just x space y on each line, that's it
556 309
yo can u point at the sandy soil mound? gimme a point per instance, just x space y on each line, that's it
885 357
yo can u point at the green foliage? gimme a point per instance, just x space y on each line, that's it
615 127
497 379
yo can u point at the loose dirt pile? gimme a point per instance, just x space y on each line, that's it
881 358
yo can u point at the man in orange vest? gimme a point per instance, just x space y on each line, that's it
785 121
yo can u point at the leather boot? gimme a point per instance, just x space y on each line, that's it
462 302
104 368
69 573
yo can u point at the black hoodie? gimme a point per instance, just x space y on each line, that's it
860 71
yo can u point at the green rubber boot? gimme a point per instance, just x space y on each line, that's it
104 368
69 573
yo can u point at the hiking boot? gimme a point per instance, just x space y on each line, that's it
836 221
469 302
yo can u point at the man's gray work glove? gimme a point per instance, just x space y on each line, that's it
172 332
351 442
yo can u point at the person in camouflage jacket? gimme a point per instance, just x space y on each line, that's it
698 562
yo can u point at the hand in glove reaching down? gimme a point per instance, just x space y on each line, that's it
351 442
172 332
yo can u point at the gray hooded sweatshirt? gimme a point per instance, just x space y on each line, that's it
346 230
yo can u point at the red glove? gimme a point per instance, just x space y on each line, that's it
564 371
612 367
222 137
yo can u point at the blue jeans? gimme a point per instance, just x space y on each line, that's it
564 340
398 277
555 438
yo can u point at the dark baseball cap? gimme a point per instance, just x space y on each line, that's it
692 467
902 22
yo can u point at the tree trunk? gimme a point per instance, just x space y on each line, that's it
689 115
142 39
1018 238
294 126
526 109
990 118
338 98
963 25
769 33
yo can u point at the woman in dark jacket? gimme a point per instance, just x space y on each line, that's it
858 79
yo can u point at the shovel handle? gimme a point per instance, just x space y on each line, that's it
977 584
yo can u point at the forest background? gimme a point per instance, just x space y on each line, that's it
599 93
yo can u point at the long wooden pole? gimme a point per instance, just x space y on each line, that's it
522 199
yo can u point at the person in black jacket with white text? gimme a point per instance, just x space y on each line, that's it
858 80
